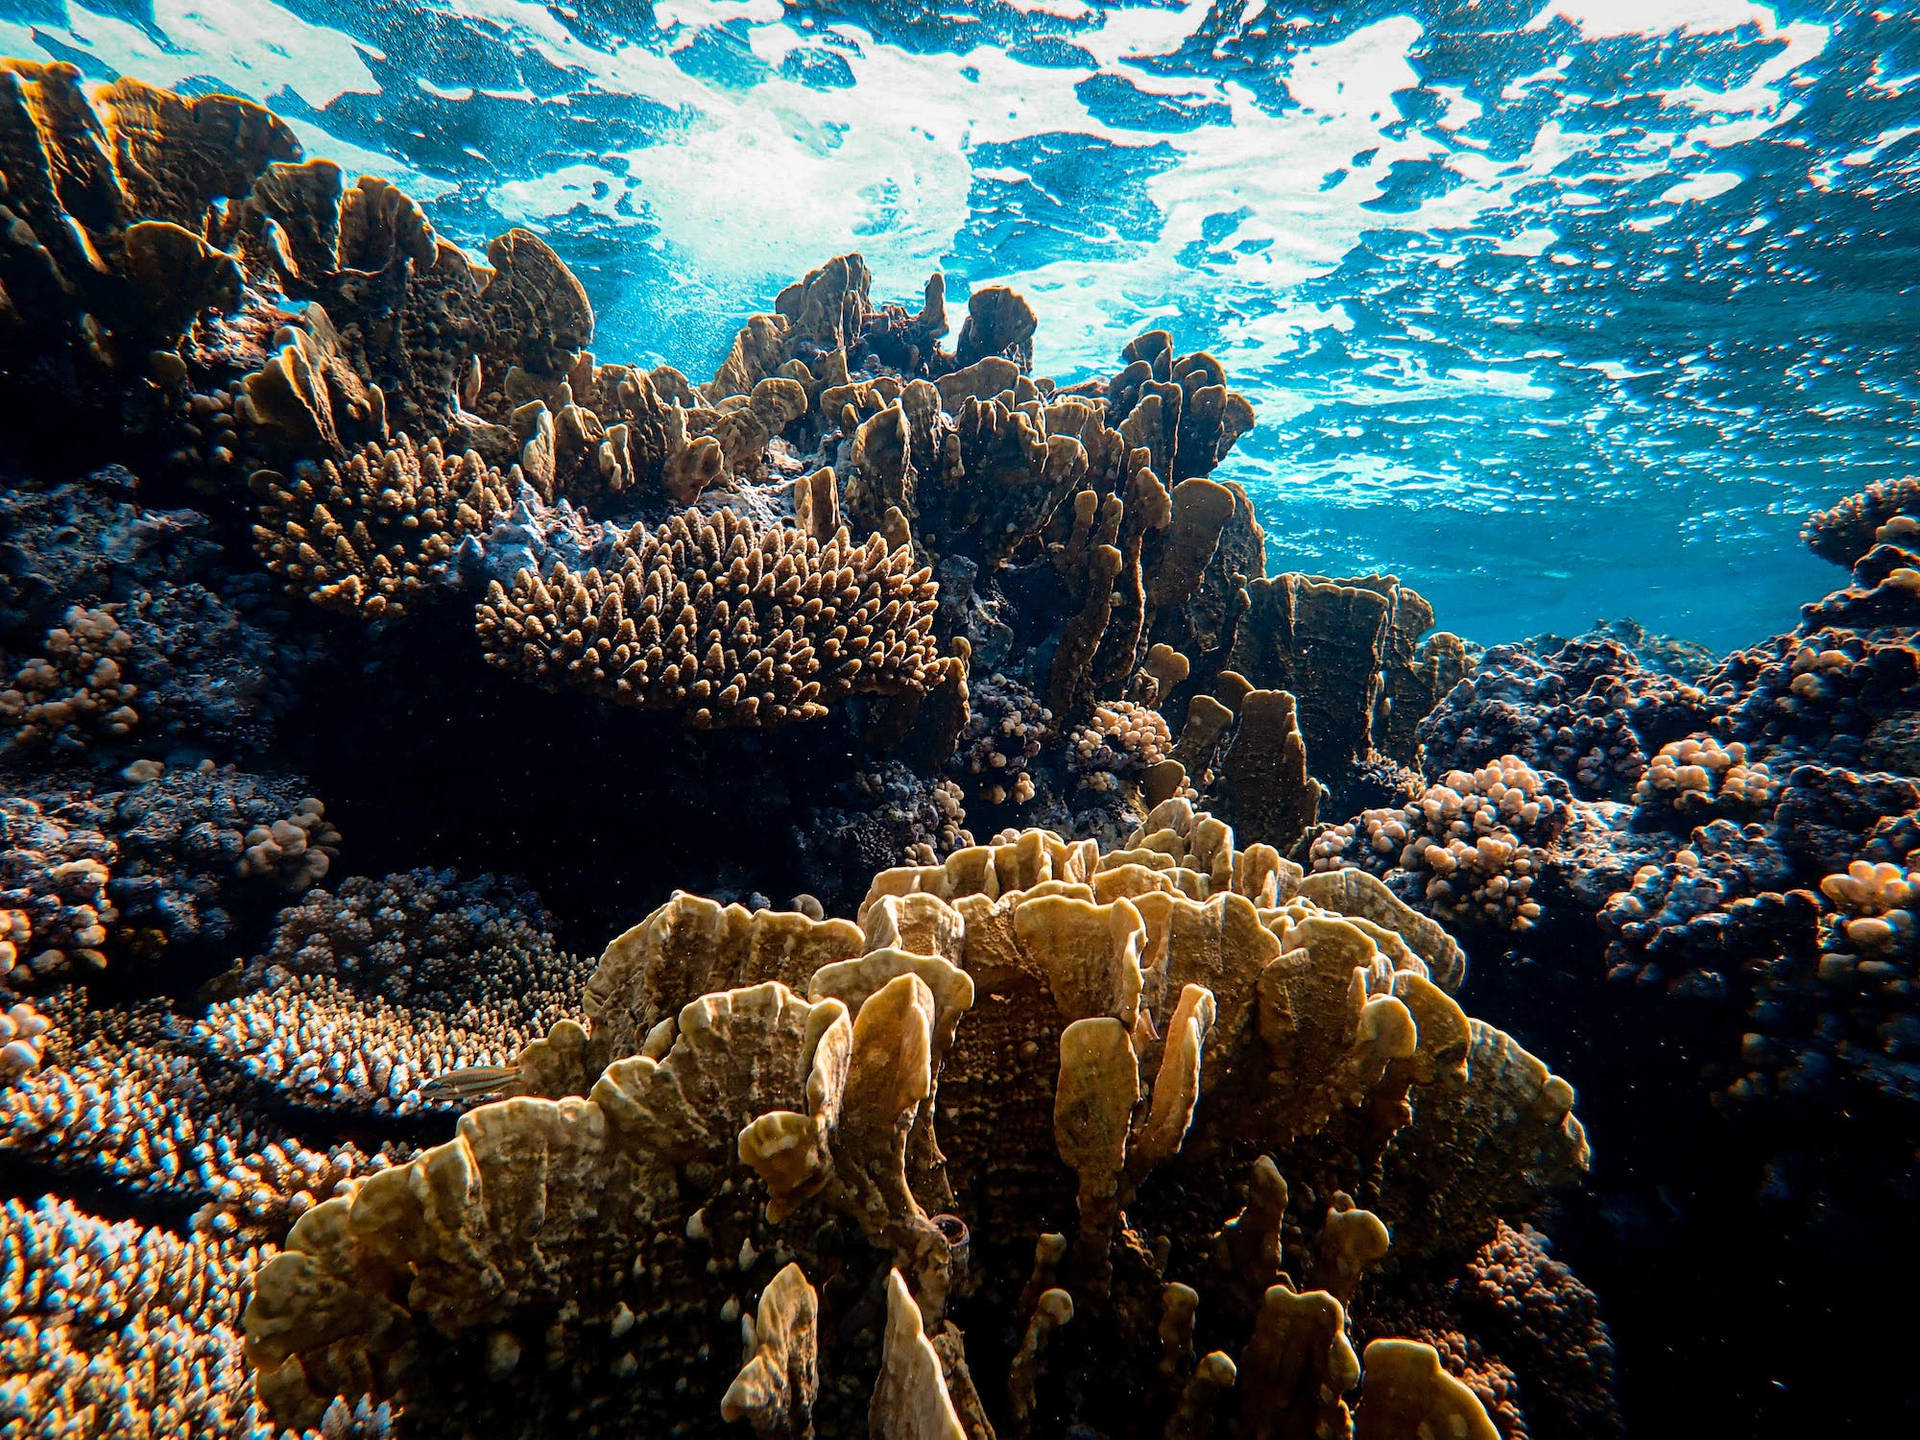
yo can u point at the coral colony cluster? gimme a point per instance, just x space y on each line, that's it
1087 1072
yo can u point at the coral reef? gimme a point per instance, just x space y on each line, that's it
837 528
308 502
1882 513
118 1329
729 623
845 1112
1669 654
1472 846
366 536
122 1098
93 876
366 996
1590 712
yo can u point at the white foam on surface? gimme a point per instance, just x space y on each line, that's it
1258 156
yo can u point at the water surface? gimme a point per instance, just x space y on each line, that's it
1557 309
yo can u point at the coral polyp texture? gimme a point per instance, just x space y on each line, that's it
365 997
76 690
730 623
1048 1137
367 535
1472 846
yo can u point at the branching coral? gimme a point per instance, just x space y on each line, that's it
93 876
1842 1016
53 893
217 674
726 621
1686 660
1819 693
1538 1357
121 1099
120 1329
366 997
368 535
1119 742
116 1329
1016 1038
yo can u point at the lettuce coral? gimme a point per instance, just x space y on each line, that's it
1020 1095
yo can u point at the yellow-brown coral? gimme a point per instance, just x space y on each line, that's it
1073 1058
366 536
76 692
727 621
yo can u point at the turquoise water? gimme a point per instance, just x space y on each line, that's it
1558 309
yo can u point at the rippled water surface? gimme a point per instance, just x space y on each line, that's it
1555 308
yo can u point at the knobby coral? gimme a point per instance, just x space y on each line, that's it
367 994
120 1329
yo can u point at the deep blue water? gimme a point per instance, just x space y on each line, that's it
1557 309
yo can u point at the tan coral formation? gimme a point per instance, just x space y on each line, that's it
297 851
77 692
366 535
1479 838
1020 1098
1886 511
1350 652
107 252
724 620
1699 777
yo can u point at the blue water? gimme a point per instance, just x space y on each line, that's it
1558 309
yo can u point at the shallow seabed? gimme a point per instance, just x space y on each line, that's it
822 720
